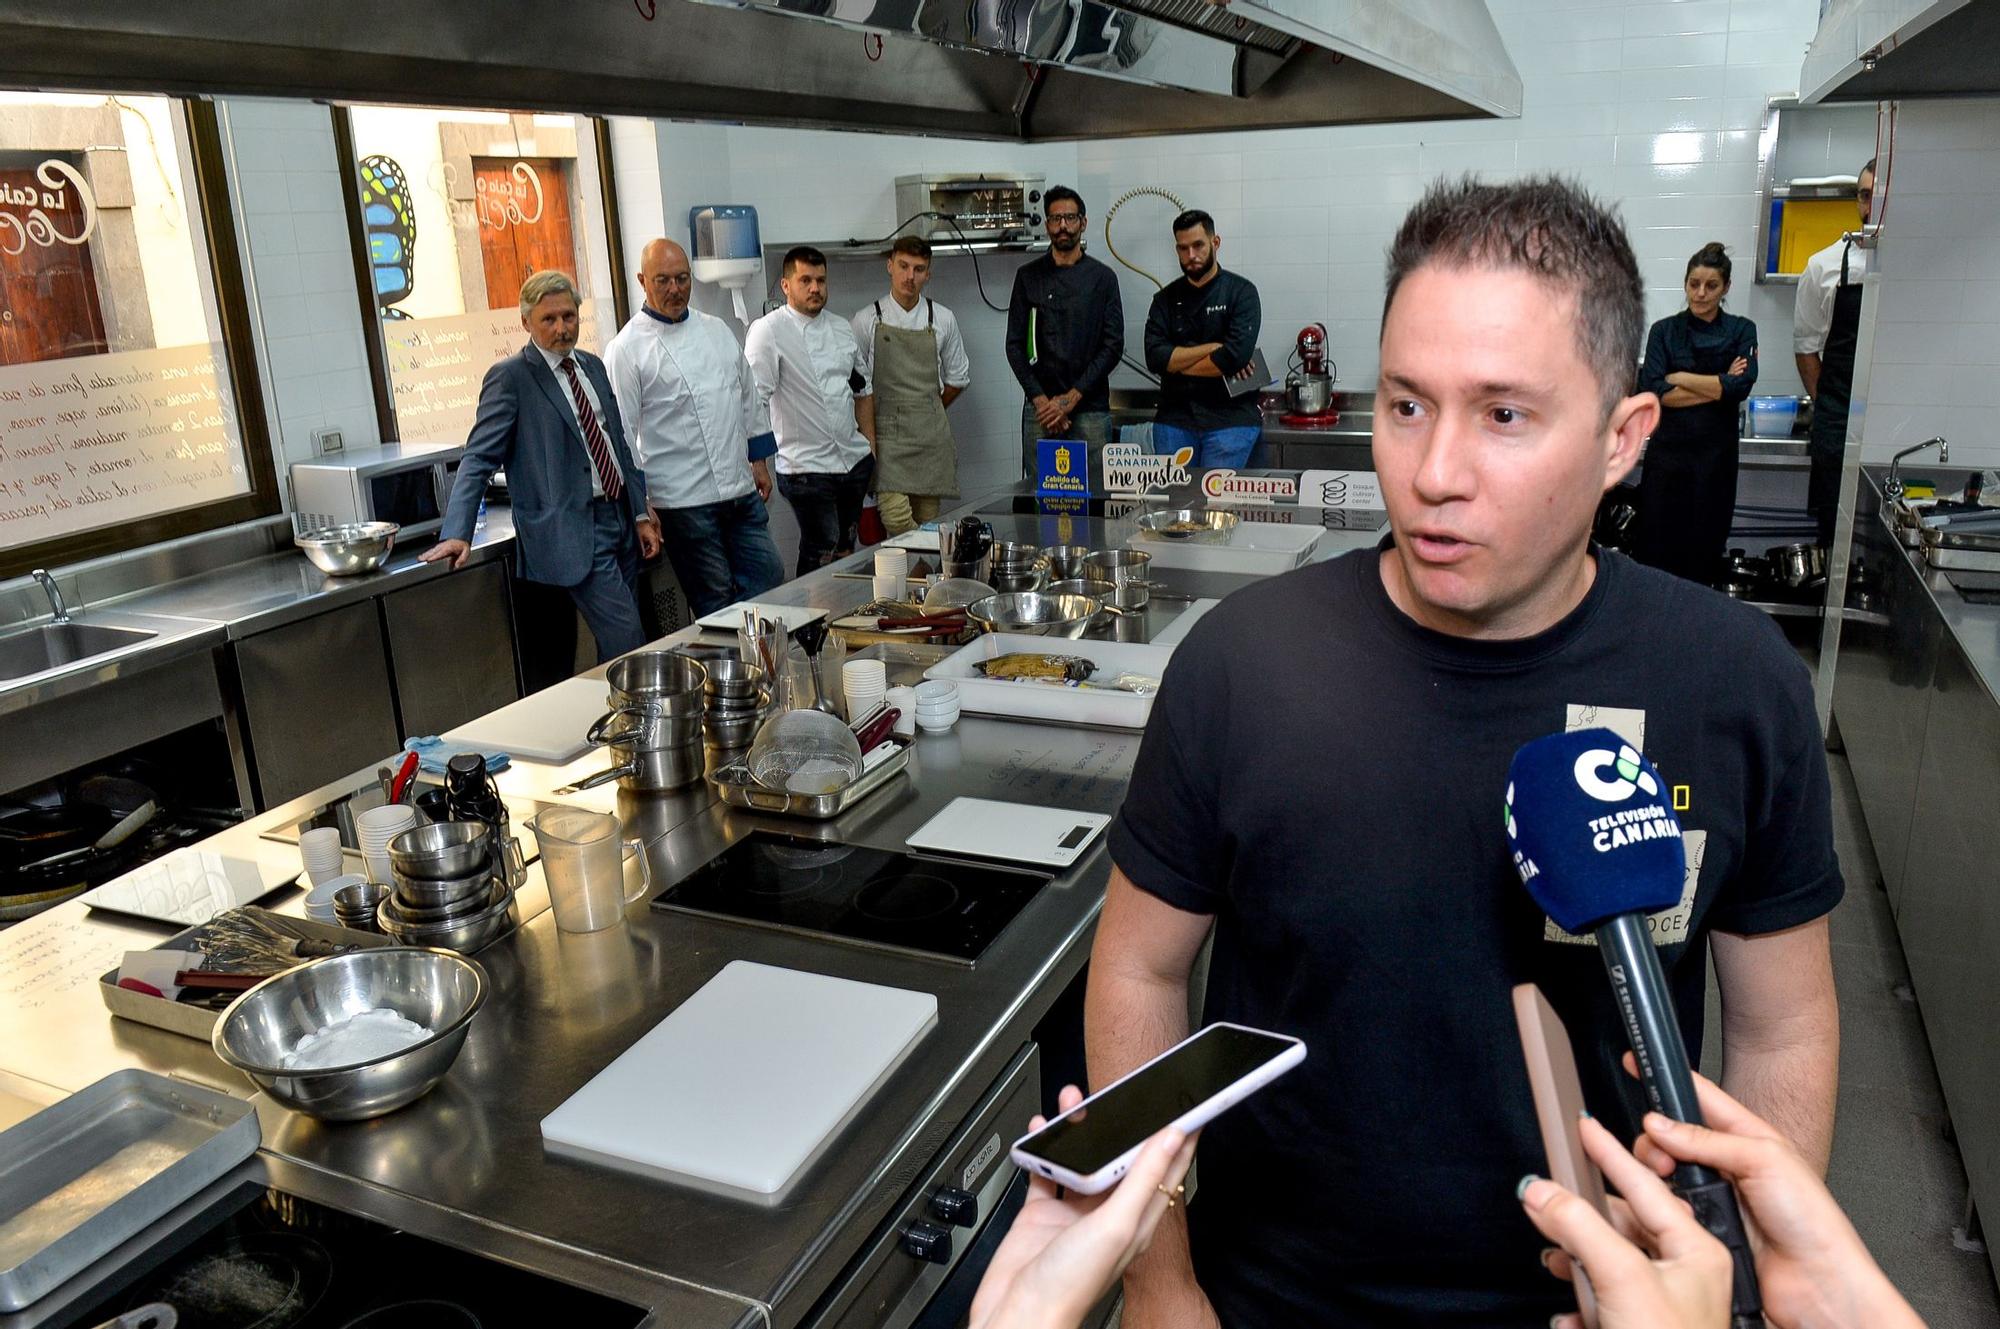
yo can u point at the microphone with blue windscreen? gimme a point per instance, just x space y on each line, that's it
1598 846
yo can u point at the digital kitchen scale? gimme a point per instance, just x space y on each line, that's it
936 907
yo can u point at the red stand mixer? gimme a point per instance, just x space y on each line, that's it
1309 385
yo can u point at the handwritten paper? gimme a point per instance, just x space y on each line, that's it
99 440
46 958
436 366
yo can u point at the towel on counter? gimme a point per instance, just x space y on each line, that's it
433 752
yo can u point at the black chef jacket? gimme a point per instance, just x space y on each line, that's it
1225 310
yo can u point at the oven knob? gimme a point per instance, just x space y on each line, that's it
928 1241
951 1205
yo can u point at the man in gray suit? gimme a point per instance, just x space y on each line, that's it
548 417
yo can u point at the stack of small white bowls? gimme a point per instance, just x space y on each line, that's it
319 850
375 828
937 705
863 683
319 900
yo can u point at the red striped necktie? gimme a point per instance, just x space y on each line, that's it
593 434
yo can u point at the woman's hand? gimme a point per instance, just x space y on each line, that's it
1812 1267
1063 1253
1663 1272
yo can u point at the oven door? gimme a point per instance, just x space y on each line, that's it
413 499
932 1251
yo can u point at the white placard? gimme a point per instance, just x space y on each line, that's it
1130 469
100 440
1340 489
436 366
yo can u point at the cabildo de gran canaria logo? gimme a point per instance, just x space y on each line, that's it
1651 821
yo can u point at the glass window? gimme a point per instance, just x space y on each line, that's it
116 401
457 209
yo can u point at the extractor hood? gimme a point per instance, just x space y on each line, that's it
1030 70
1876 50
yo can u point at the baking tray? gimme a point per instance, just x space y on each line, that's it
739 789
191 1021
95 1170
980 695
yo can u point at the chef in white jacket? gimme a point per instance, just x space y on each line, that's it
700 433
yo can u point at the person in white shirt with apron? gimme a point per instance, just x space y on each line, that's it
1826 323
912 352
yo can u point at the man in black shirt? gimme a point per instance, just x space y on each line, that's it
1200 333
1065 332
1322 783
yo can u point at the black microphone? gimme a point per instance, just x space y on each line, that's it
1600 849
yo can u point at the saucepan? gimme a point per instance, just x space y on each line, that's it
1799 565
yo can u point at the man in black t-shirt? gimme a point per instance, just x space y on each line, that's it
1322 783
1200 334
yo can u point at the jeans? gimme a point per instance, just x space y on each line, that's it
828 507
906 512
1229 447
1092 427
605 595
721 552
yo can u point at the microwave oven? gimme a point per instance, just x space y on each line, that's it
407 483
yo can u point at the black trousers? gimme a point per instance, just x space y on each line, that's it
828 507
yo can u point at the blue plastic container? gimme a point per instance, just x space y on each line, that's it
1773 417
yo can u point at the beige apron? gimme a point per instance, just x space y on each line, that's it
914 451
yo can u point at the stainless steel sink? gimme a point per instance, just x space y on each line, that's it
54 645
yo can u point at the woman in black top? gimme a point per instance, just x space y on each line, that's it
1702 363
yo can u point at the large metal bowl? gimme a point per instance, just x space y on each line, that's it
343 551
1034 614
1198 525
443 851
464 933
437 989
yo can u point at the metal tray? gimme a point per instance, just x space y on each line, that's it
191 1021
103 1165
739 789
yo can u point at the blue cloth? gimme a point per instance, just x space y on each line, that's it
433 752
527 427
763 445
722 552
1212 447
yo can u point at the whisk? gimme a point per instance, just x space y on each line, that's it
246 942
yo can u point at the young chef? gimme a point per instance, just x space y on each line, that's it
1200 333
1329 803
1826 323
912 353
701 434
1701 364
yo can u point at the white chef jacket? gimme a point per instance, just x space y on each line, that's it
804 367
954 368
1812 310
690 406
569 400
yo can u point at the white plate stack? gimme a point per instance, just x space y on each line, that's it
937 705
864 683
375 828
319 900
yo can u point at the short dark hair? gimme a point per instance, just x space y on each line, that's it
1869 169
798 254
1192 218
913 245
1057 193
1711 255
1552 229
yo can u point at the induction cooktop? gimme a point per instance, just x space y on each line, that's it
270 1260
941 908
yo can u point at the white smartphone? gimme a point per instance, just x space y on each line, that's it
1090 1147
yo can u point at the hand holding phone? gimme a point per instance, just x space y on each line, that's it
1092 1145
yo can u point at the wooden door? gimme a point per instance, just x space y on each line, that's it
48 292
524 222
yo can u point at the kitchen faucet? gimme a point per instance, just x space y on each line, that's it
1892 488
56 605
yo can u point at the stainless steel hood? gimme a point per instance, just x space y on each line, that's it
1875 50
1030 70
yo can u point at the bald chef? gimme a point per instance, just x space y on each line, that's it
700 434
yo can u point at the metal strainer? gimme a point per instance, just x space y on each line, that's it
804 752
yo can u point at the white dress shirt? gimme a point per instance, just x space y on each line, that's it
569 399
803 368
1812 313
954 368
690 405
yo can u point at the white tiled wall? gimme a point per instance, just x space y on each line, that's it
1937 331
1651 105
301 273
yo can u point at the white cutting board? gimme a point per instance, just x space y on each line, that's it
544 726
745 1083
1259 548
1012 832
793 617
